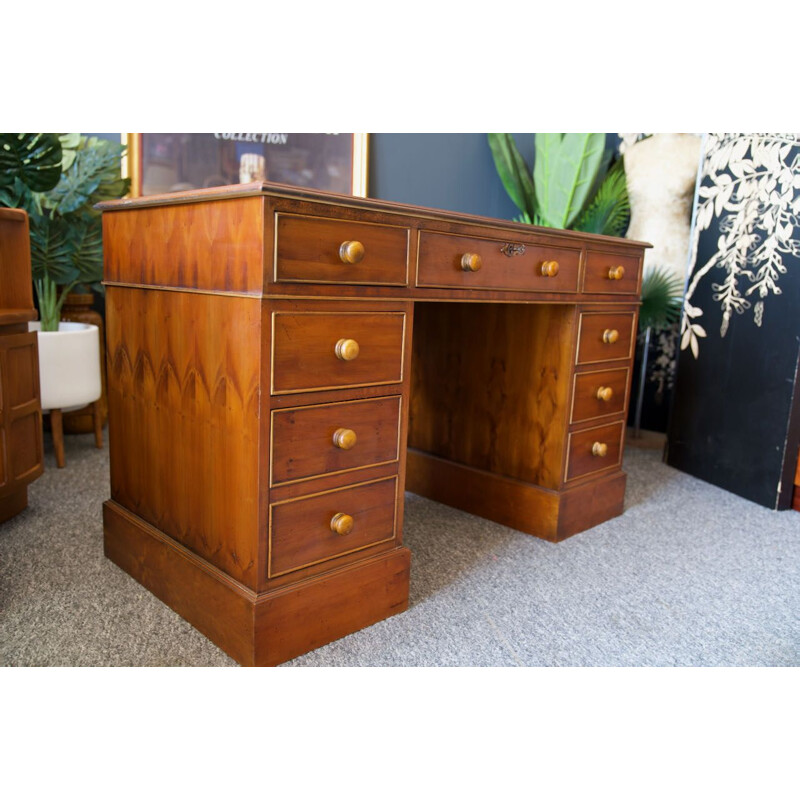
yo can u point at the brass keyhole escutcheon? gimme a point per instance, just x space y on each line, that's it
471 262
341 524
550 269
344 438
351 252
605 393
600 449
347 349
616 273
610 335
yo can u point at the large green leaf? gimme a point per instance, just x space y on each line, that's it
87 249
609 210
662 299
52 248
34 158
513 171
565 170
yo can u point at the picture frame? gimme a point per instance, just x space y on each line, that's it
171 162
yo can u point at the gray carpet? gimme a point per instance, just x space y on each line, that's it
689 575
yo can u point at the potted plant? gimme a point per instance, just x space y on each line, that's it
575 182
58 180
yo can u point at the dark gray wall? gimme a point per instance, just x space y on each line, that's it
452 171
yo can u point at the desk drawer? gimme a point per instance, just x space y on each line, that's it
302 530
313 351
605 337
594 450
599 394
315 250
467 262
335 437
611 273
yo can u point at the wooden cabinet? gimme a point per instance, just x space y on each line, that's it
21 459
283 364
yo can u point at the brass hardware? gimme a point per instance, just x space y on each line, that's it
344 438
610 336
616 273
341 524
605 393
510 249
351 252
347 349
600 449
471 262
550 269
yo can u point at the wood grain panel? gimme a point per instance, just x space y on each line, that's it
304 356
208 246
300 529
598 263
587 405
440 264
490 386
591 346
581 461
307 250
302 438
184 406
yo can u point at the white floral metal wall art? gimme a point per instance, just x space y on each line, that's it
751 185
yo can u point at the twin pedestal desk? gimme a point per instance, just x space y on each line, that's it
283 364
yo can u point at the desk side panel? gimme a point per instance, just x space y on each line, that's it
184 395
213 246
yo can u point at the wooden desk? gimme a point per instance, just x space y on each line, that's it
264 381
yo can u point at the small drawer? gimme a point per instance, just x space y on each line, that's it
594 450
611 273
335 437
466 262
313 351
599 394
315 528
322 250
605 337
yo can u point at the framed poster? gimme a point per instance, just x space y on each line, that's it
174 162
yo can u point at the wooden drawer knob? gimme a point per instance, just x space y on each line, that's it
341 524
610 335
347 349
550 269
605 393
616 273
471 262
351 252
600 449
344 438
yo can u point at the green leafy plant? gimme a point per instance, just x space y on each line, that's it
574 183
662 297
58 180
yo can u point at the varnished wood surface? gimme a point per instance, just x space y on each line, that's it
440 258
581 460
599 263
304 356
214 246
300 529
21 447
490 385
302 438
307 250
586 405
184 404
592 348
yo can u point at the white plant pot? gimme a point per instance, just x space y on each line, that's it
69 365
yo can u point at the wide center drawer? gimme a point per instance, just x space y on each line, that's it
323 250
467 262
312 350
304 531
604 336
335 437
